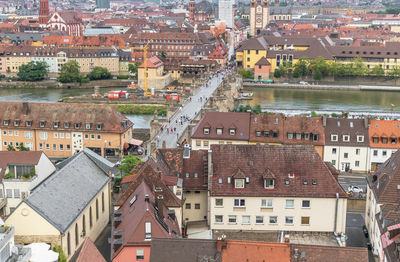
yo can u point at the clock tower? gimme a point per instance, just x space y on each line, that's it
259 16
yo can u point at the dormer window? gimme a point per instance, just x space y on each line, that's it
232 131
393 140
206 131
66 125
276 121
88 126
99 126
346 138
384 140
56 124
298 136
258 133
219 131
307 136
290 135
77 125
239 183
269 183
334 138
17 122
360 139
42 123
315 137
28 123
375 140
6 122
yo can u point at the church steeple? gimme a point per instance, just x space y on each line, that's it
44 12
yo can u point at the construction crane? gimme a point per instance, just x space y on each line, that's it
146 79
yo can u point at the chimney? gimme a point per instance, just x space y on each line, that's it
324 121
221 244
366 122
25 108
209 169
160 206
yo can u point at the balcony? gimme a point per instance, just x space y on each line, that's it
6 235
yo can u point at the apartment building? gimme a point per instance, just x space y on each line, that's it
273 188
221 128
61 130
383 141
382 213
347 144
16 56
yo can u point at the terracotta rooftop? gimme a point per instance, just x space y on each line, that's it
266 128
311 253
297 170
60 116
226 121
351 127
389 129
87 252
152 62
195 171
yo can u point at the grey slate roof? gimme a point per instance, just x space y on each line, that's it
62 197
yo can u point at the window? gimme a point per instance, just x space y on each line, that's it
187 175
239 202
198 142
232 132
16 133
273 219
305 220
298 136
246 220
239 183
68 147
266 134
219 202
196 206
67 135
88 126
269 183
139 254
384 153
69 244
147 234
77 125
66 125
266 202
275 134
206 131
357 163
360 139
357 151
258 133
289 220
205 143
384 140
375 152
92 136
28 135
315 137
86 136
102 202
290 135
333 151
56 124
97 209
219 131
232 219
61 147
54 147
259 220
98 126
290 203
393 140
228 179
4 132
196 175
9 193
219 180
42 123
307 136
47 146
90 217
10 133
219 219
76 236
16 193
40 146
334 137
305 203
43 135
188 206
375 140
346 155
55 135
28 123
346 138
99 136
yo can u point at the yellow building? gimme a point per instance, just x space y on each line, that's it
17 56
73 204
156 77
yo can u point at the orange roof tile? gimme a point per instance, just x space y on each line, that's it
381 128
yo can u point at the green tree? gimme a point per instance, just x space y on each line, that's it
338 69
256 109
246 73
277 73
301 68
10 148
317 75
129 163
395 71
133 69
33 71
62 257
320 67
357 67
99 73
377 71
69 72
21 147
163 55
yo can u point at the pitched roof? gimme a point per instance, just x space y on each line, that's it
61 198
225 120
301 161
105 115
195 164
87 252
152 62
314 253
263 61
380 128
18 158
171 159
194 250
346 126
304 125
267 124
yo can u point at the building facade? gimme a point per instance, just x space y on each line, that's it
259 16
225 12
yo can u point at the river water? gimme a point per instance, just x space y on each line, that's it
330 100
53 95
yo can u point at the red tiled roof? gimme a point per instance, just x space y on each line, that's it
196 163
302 161
87 252
314 253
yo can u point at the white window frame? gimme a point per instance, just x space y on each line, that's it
289 201
147 232
286 220
360 139
233 217
266 203
334 138
302 203
43 135
346 138
238 180
246 220
218 216
217 204
241 202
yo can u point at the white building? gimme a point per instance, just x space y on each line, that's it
225 12
273 188
21 172
48 55
347 144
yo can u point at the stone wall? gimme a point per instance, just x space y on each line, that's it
50 239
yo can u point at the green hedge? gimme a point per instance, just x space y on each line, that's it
141 109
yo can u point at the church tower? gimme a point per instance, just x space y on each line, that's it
259 16
44 13
192 5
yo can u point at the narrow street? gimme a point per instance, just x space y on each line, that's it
190 109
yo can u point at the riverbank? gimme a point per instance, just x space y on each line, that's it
52 84
321 87
141 109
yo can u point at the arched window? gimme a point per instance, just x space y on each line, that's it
102 202
97 209
76 235
69 244
84 224
90 217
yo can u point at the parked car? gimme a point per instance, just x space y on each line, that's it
355 189
304 83
365 232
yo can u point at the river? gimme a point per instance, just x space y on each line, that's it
330 100
53 95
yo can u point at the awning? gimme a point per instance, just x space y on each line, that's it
135 142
